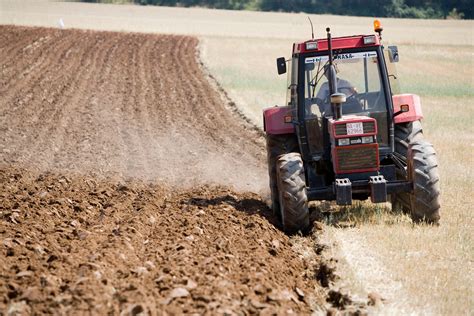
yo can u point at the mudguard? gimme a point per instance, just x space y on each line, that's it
274 120
414 104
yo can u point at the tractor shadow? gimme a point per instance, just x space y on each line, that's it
358 214
327 213
248 206
257 207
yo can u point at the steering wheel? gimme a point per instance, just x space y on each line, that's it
353 103
353 98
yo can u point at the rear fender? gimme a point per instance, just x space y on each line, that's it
274 120
414 103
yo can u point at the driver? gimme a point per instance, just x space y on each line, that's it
323 97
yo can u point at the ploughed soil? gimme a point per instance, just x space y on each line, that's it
74 243
133 105
122 185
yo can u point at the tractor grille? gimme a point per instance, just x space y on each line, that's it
369 127
360 158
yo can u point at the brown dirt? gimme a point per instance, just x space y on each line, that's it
134 105
73 243
112 150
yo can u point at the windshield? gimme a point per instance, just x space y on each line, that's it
358 77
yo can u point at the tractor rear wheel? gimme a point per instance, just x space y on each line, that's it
292 193
423 171
405 134
278 145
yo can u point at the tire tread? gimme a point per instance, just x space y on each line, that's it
293 196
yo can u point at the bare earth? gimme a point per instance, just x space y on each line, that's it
112 147
136 105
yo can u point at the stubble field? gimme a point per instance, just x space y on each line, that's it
416 269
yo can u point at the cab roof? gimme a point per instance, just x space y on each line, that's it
356 41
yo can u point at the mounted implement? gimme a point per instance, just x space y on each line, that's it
347 133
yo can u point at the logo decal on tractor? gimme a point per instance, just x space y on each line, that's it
312 60
344 56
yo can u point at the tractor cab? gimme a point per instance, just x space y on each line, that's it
350 133
346 121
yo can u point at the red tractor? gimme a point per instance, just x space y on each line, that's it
347 133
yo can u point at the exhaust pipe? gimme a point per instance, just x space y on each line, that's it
337 100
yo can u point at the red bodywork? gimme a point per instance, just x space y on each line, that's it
373 147
414 103
337 168
274 120
356 41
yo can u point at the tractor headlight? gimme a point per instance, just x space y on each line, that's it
311 45
344 141
369 39
367 139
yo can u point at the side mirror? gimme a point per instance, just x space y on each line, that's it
281 65
393 54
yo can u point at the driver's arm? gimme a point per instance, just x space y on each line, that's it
319 101
346 87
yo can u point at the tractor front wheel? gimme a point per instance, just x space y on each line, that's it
278 145
405 134
423 172
292 193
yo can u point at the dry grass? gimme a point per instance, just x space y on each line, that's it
432 265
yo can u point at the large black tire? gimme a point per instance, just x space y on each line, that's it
423 171
292 193
278 145
405 134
